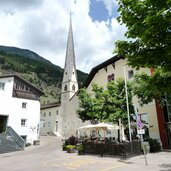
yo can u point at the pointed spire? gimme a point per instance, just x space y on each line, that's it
69 82
70 53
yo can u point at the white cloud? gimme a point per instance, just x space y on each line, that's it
43 28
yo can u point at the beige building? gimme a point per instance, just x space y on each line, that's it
113 69
157 119
61 118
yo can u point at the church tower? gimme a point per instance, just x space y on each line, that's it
69 82
69 88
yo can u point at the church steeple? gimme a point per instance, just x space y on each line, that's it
69 82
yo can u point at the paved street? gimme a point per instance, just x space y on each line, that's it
48 156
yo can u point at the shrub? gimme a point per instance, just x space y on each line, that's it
64 147
154 145
80 149
70 146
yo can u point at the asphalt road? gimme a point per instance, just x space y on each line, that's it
48 156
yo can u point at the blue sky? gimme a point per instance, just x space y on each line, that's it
42 26
98 11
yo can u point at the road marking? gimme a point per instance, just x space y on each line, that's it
110 168
75 164
78 163
46 161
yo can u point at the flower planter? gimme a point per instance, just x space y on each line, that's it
71 150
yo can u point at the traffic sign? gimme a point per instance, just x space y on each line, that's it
139 123
141 131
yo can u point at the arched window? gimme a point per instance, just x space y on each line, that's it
110 77
73 87
65 88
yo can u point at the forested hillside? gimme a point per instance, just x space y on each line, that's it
35 69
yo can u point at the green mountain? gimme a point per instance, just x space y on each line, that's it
36 70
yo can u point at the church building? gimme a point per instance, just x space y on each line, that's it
60 118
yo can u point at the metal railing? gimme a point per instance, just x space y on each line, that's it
17 138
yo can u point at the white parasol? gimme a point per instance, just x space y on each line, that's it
99 126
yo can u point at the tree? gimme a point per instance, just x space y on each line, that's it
105 104
149 39
85 105
147 88
116 106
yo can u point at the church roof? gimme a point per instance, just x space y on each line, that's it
100 66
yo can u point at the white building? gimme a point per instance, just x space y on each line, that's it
50 118
19 107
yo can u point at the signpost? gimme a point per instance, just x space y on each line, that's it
140 131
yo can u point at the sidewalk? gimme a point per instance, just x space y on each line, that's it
155 161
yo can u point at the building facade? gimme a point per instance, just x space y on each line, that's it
50 118
155 118
20 107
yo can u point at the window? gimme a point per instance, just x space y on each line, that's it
110 77
27 89
23 122
57 112
73 87
44 114
65 88
44 125
130 74
24 105
49 113
49 124
2 86
56 125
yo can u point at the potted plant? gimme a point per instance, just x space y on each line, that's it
80 149
64 147
71 148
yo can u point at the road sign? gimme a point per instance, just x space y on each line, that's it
139 123
141 131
